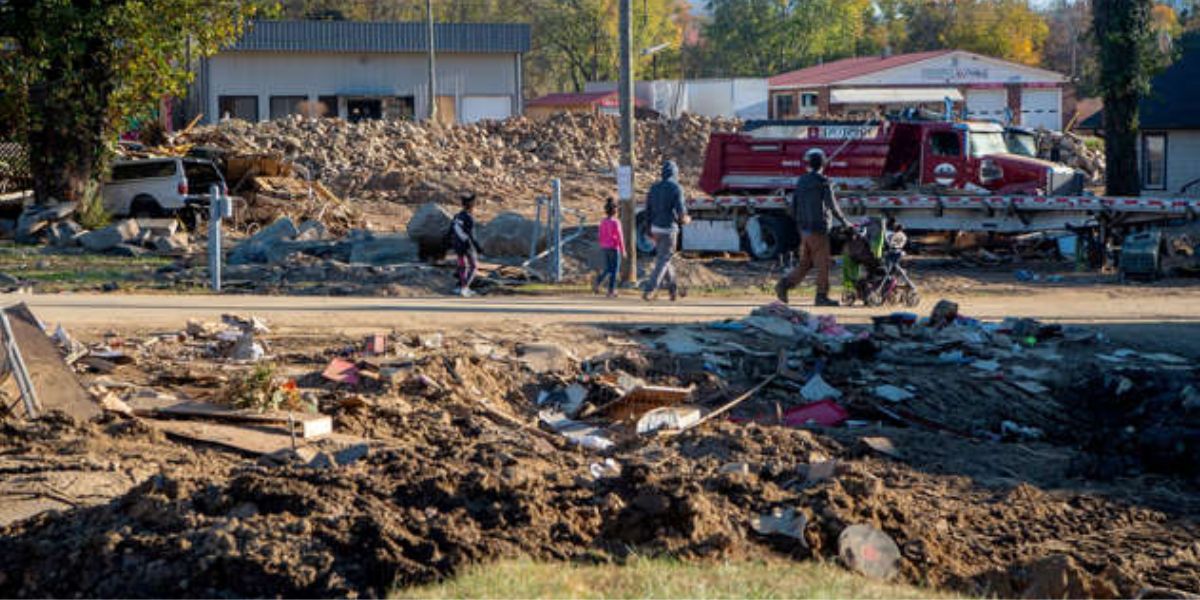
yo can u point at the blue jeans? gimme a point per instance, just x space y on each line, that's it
612 265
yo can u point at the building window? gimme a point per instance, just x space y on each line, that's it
327 106
238 107
808 100
785 106
283 106
1154 161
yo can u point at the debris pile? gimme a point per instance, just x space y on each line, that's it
419 162
1072 150
914 448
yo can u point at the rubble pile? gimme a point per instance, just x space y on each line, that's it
1072 150
419 162
916 448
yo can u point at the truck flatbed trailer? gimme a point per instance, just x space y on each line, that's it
760 225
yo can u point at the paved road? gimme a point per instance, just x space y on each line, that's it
1170 320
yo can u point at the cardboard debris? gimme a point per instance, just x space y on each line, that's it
782 521
668 417
53 383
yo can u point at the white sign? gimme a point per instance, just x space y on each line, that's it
625 182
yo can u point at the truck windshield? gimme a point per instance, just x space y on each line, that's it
1023 144
985 143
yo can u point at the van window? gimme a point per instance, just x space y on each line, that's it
146 169
945 143
200 175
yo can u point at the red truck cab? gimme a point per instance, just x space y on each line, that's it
971 157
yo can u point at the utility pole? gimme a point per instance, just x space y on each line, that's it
625 171
432 68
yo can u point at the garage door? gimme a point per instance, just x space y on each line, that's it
987 105
1041 108
478 108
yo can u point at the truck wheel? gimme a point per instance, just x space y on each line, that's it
145 207
768 236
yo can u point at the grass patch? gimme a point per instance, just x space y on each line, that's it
66 269
661 578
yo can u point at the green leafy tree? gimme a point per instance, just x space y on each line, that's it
1128 59
766 37
78 70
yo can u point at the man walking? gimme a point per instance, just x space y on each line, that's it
666 212
814 208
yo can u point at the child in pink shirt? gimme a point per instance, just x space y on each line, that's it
612 244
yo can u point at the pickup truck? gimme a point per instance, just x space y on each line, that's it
158 187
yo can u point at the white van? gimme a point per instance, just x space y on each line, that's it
159 187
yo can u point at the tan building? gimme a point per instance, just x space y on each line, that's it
587 102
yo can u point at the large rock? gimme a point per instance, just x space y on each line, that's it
254 249
110 237
509 234
383 250
427 228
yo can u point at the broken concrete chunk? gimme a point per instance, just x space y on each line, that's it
668 417
781 521
117 234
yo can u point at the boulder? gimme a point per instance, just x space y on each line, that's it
34 220
509 234
169 244
110 237
383 250
427 228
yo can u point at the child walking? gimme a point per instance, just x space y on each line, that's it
463 234
612 244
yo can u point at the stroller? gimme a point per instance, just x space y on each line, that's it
872 272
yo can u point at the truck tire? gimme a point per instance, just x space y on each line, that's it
145 207
769 236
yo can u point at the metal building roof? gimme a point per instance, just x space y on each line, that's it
358 36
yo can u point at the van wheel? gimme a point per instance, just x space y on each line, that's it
145 207
769 236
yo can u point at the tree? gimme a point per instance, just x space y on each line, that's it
1127 61
1007 29
80 68
765 37
1072 51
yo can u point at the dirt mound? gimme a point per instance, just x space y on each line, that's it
504 161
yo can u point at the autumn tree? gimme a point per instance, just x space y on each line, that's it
1007 29
1127 57
78 69
766 37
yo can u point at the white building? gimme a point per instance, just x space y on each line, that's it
987 88
358 70
743 98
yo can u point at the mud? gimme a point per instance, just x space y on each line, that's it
457 475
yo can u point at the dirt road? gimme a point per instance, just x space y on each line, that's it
1171 319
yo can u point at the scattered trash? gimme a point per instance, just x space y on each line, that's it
892 393
781 521
817 389
869 551
585 435
375 344
825 412
675 418
569 400
608 468
881 445
341 371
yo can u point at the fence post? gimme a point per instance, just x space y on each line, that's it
556 212
216 210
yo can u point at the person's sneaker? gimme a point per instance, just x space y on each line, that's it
611 294
781 291
646 295
674 292
467 293
596 287
823 300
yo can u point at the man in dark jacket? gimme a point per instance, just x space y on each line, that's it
666 212
814 207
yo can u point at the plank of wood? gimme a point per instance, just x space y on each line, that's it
54 383
308 426
243 439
